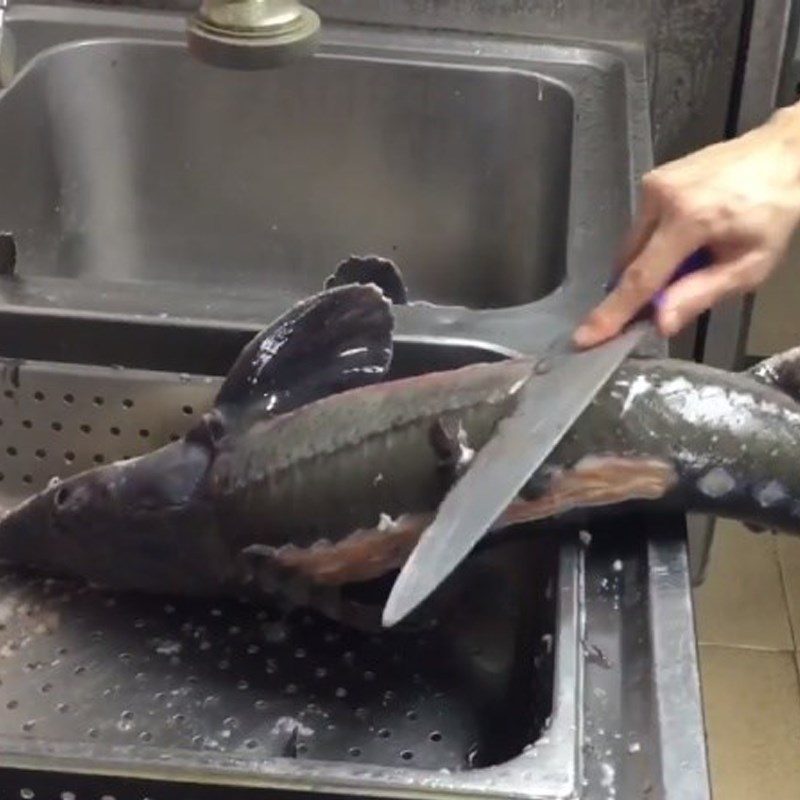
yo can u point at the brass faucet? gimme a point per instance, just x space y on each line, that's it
252 34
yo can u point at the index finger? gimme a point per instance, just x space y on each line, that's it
649 272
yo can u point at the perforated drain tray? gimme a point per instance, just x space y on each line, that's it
229 694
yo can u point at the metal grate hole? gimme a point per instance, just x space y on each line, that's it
69 398
436 736
355 752
27 794
38 396
384 733
127 403
56 426
98 400
9 393
407 755
86 428
27 423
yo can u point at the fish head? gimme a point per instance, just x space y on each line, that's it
118 524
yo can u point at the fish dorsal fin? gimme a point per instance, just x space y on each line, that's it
782 371
336 340
384 273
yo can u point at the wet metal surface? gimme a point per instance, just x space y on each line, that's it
91 674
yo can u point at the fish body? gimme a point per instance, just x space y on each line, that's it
313 472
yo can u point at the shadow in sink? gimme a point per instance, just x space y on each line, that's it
470 688
126 161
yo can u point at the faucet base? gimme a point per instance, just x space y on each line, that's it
254 48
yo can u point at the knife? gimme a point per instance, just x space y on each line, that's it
549 404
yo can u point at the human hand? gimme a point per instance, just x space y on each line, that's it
740 199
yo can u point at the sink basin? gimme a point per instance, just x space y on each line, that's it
144 185
161 169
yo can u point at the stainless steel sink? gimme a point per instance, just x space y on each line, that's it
497 173
163 211
157 168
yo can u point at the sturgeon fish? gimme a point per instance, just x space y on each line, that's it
314 472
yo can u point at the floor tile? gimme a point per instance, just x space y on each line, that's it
789 555
742 602
752 707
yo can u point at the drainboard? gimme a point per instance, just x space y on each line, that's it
86 675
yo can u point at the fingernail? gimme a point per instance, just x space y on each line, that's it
583 336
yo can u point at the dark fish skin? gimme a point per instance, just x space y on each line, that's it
298 493
180 519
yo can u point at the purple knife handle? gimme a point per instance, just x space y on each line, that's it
699 259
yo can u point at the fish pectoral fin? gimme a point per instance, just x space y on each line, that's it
277 574
371 269
363 555
336 340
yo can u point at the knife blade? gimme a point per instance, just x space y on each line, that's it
549 404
